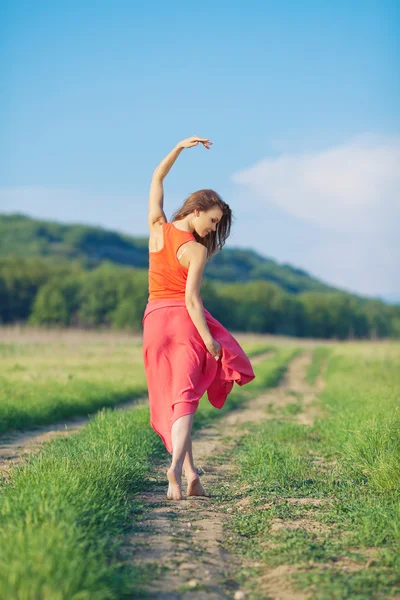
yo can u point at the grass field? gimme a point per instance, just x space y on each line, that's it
44 382
329 493
64 513
322 500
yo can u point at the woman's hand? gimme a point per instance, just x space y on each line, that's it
213 348
194 141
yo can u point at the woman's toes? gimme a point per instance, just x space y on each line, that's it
174 488
174 493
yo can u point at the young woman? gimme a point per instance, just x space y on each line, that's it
186 351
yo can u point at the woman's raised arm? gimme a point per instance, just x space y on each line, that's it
156 196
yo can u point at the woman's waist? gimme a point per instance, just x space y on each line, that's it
159 303
164 287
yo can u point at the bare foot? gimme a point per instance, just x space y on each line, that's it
195 488
174 487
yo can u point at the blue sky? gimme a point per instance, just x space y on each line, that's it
301 100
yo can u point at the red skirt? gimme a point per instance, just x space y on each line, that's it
179 369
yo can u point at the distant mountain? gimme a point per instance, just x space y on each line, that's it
391 298
24 236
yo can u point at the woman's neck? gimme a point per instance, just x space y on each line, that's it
186 225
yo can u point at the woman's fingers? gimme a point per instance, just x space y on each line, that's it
195 140
202 140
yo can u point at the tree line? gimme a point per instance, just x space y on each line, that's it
48 292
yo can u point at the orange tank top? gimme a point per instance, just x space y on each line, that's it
167 277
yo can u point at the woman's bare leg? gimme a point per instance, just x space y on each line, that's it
180 434
194 486
188 463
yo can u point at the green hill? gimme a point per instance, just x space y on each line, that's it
25 237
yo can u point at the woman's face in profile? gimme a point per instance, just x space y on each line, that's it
208 221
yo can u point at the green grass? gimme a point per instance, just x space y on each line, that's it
62 511
292 409
43 383
253 350
66 512
362 399
319 357
268 374
349 461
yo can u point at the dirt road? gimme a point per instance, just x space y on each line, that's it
186 536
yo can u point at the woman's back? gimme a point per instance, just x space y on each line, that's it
167 277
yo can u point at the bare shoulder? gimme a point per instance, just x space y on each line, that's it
196 253
196 250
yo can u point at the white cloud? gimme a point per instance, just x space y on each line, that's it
335 212
354 187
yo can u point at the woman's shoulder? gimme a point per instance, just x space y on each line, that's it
196 250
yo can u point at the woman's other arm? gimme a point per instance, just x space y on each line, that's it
156 196
197 254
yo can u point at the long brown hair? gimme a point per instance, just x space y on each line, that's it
204 200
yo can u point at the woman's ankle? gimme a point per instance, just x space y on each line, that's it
191 473
176 468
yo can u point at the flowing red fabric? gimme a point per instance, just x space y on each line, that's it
179 369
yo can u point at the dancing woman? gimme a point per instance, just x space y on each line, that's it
186 351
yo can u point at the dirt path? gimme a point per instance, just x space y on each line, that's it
186 536
16 446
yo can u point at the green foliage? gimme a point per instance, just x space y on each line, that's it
26 237
79 280
51 293
20 281
263 307
56 302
